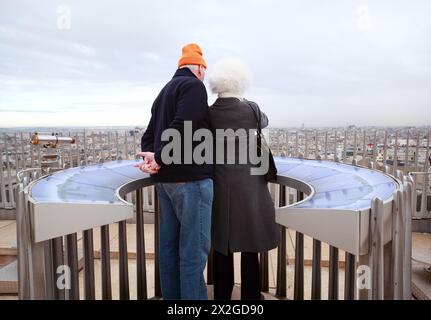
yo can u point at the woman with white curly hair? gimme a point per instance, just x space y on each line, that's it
243 218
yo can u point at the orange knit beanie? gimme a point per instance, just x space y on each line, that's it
192 54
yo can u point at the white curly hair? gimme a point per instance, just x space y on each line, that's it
229 77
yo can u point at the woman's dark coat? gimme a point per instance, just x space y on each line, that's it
243 217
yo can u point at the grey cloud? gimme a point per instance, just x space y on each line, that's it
27 111
311 56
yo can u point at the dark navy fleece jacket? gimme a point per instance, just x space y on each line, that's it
183 98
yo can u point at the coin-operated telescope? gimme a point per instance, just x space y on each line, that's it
51 161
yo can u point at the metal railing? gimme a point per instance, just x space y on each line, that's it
402 149
422 194
390 264
38 262
18 155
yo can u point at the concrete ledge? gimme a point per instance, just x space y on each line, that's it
421 225
7 214
9 278
421 281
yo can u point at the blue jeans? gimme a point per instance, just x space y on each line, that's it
185 238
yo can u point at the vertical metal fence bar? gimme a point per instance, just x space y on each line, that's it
395 164
136 145
210 274
157 288
316 145
105 262
316 272
85 148
427 153
146 199
396 246
126 146
108 145
89 287
24 158
32 270
364 148
72 262
299 267
111 145
31 153
58 261
407 263
375 149
377 265
425 182
418 143
298 290
278 145
60 150
15 167
333 273
296 144
306 144
326 145
9 200
406 156
2 178
104 145
349 276
39 157
70 153
345 146
117 147
102 159
48 266
264 275
355 144
335 145
141 269
402 242
281 290
78 151
15 149
93 146
123 261
385 148
23 242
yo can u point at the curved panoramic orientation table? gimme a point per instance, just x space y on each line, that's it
336 209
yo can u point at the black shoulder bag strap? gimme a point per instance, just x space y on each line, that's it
271 175
259 128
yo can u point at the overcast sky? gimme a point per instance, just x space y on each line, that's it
321 63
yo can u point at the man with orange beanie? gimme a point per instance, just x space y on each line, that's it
185 189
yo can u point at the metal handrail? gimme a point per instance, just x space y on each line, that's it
43 277
97 146
424 192
57 252
27 175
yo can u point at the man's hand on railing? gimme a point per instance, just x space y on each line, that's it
149 165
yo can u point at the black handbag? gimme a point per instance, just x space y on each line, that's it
262 146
